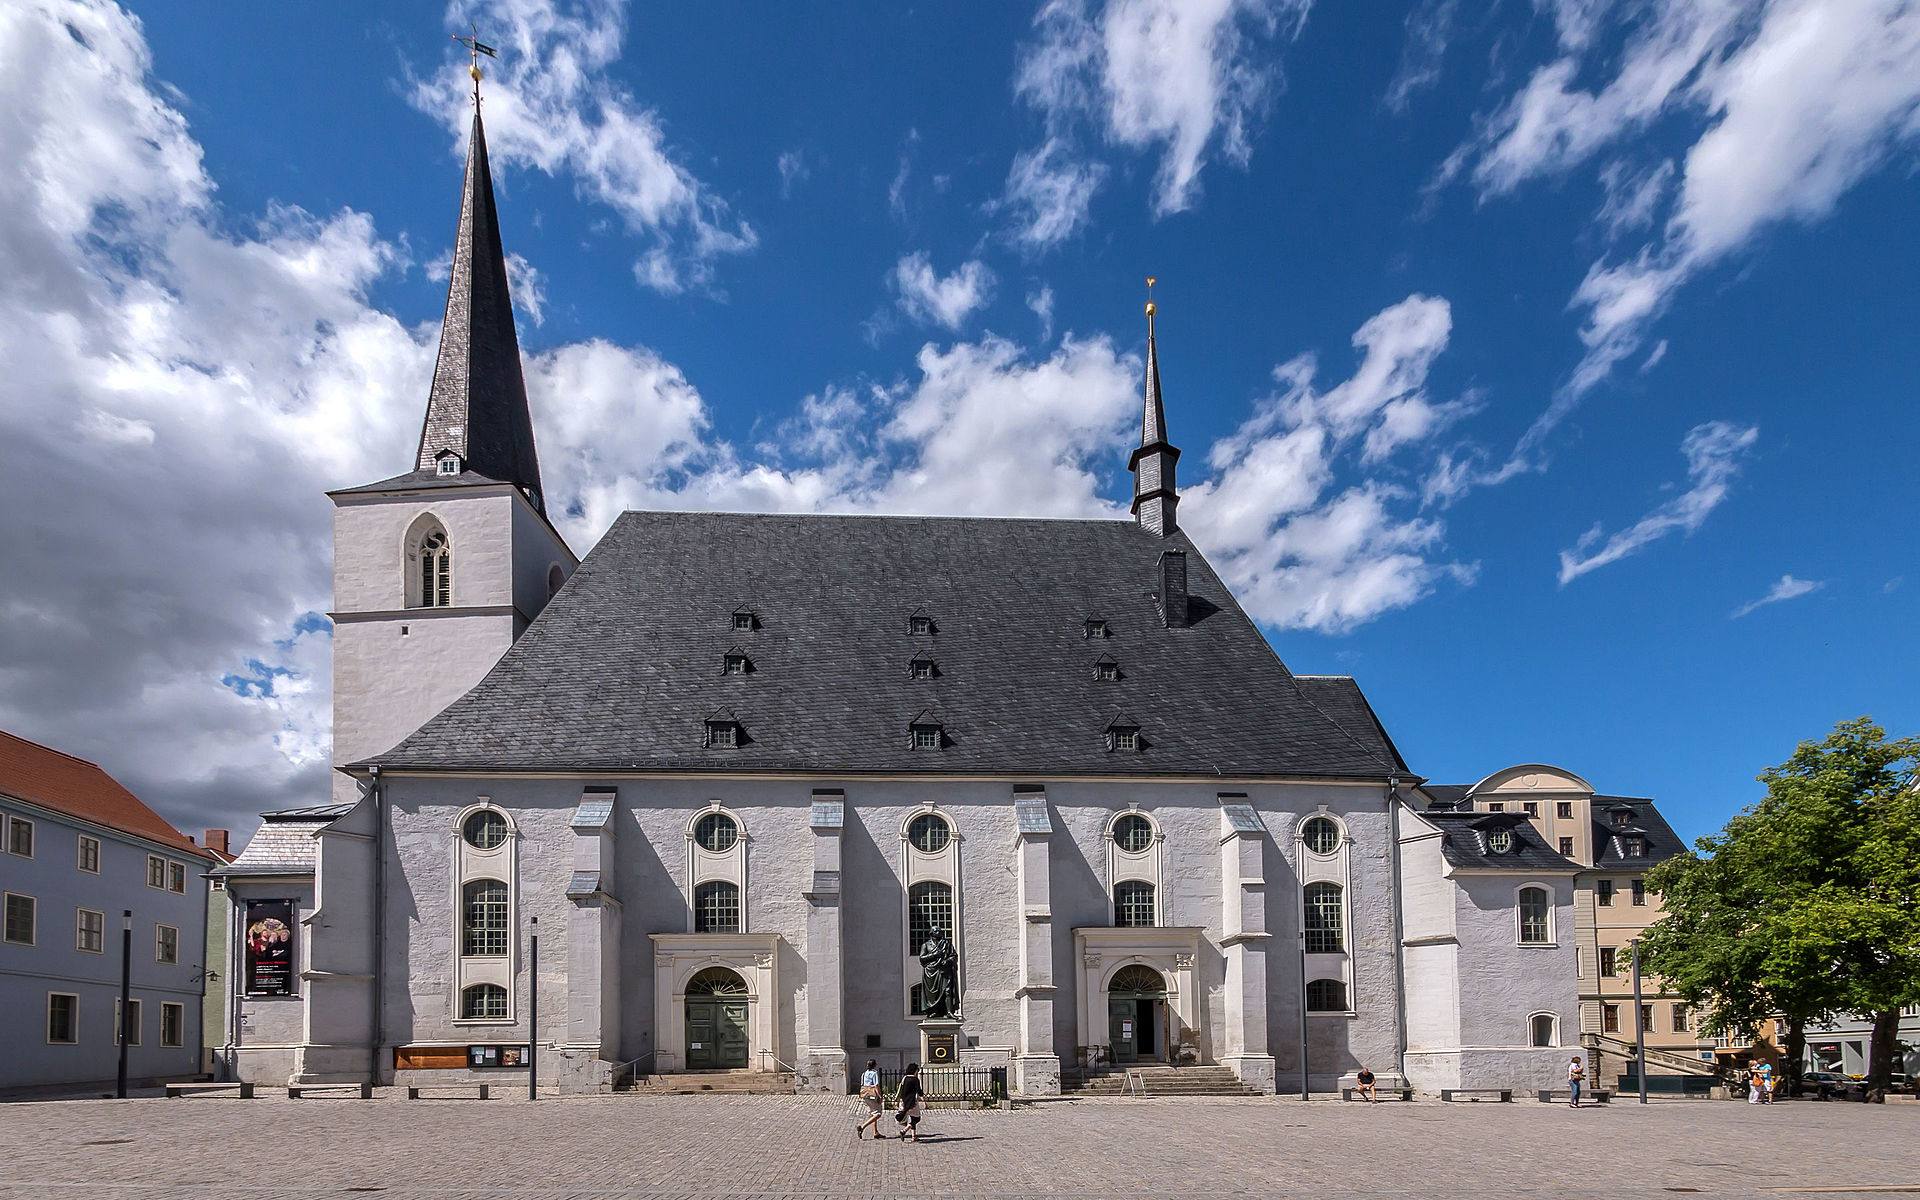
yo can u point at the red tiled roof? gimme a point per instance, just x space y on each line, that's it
78 788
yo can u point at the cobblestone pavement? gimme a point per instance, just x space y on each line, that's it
621 1146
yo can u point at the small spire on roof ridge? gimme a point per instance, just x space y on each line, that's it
1154 493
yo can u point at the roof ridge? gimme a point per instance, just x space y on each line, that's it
85 762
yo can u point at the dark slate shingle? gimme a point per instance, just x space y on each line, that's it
622 668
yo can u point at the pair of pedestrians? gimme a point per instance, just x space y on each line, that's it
912 1103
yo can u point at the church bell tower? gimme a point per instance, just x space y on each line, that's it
437 571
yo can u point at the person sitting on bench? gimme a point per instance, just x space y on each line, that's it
1365 1080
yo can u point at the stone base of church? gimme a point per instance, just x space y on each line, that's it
580 1071
322 1064
1254 1070
822 1072
1036 1074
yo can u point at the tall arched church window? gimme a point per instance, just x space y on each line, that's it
484 916
1536 926
716 872
436 571
1133 904
929 915
716 907
1324 918
483 921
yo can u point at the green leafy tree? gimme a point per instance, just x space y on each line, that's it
1806 904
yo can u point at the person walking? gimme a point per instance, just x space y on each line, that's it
911 1104
870 1096
1762 1084
1365 1080
1576 1075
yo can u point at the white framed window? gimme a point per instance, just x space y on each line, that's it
173 1024
1325 918
929 915
156 872
166 944
1136 853
930 868
925 736
1321 835
716 907
716 881
1639 893
177 878
19 836
63 1019
485 910
1543 1029
1327 995
89 930
1610 1018
483 919
132 1025
929 833
22 915
483 1002
1533 915
429 564
1133 904
88 859
485 829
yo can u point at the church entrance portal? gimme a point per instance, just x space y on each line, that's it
716 1021
1137 1015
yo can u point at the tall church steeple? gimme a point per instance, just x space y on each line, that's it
478 406
1154 495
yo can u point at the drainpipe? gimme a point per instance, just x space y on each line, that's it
376 1031
1399 929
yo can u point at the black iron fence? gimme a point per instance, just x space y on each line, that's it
950 1085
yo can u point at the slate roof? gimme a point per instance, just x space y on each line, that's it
284 845
420 479
624 665
1464 843
1340 698
59 782
1645 821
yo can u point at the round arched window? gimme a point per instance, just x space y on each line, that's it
929 834
1133 833
716 832
485 830
1321 835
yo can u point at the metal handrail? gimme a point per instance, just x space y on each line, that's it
628 1067
778 1061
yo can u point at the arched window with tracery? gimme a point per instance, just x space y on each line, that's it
1324 919
429 573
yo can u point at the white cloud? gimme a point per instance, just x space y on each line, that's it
792 165
528 288
1787 103
1787 588
1713 451
1429 29
944 300
1183 77
1300 548
551 104
1041 302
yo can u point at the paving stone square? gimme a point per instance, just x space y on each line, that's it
759 1146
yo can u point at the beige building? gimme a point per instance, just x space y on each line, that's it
1614 841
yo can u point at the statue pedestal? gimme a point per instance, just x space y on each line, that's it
940 1042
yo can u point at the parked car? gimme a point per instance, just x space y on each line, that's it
1832 1085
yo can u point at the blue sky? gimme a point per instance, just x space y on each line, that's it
1546 366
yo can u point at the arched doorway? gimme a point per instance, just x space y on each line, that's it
1137 1014
716 1020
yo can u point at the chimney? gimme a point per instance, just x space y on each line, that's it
217 840
1173 589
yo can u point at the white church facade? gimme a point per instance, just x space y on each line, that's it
736 772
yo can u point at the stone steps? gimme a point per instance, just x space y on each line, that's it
1161 1081
715 1083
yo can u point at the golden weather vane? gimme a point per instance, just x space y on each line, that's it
475 48
1151 307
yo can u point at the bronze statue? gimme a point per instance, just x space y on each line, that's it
939 979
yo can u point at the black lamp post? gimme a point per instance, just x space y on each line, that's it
126 995
1639 1024
533 1010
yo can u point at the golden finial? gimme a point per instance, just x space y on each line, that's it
1151 308
475 48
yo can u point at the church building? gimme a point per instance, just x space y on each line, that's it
736 774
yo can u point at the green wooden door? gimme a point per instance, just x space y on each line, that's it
731 1035
1122 1030
702 1034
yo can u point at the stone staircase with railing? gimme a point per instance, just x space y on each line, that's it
1611 1057
1158 1080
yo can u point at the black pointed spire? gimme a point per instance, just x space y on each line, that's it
478 406
1154 495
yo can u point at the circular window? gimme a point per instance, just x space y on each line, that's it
485 830
1500 841
716 832
1133 833
1322 835
929 834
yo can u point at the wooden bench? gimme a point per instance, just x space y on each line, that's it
296 1091
1586 1097
1505 1094
414 1090
1404 1093
182 1089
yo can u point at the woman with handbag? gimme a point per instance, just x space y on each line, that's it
870 1095
911 1104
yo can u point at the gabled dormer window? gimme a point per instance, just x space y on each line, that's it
1620 817
1123 736
926 732
1106 669
1633 847
922 668
920 623
1096 628
723 731
446 463
745 620
736 663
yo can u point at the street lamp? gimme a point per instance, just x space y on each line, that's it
1639 1023
533 1010
126 995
